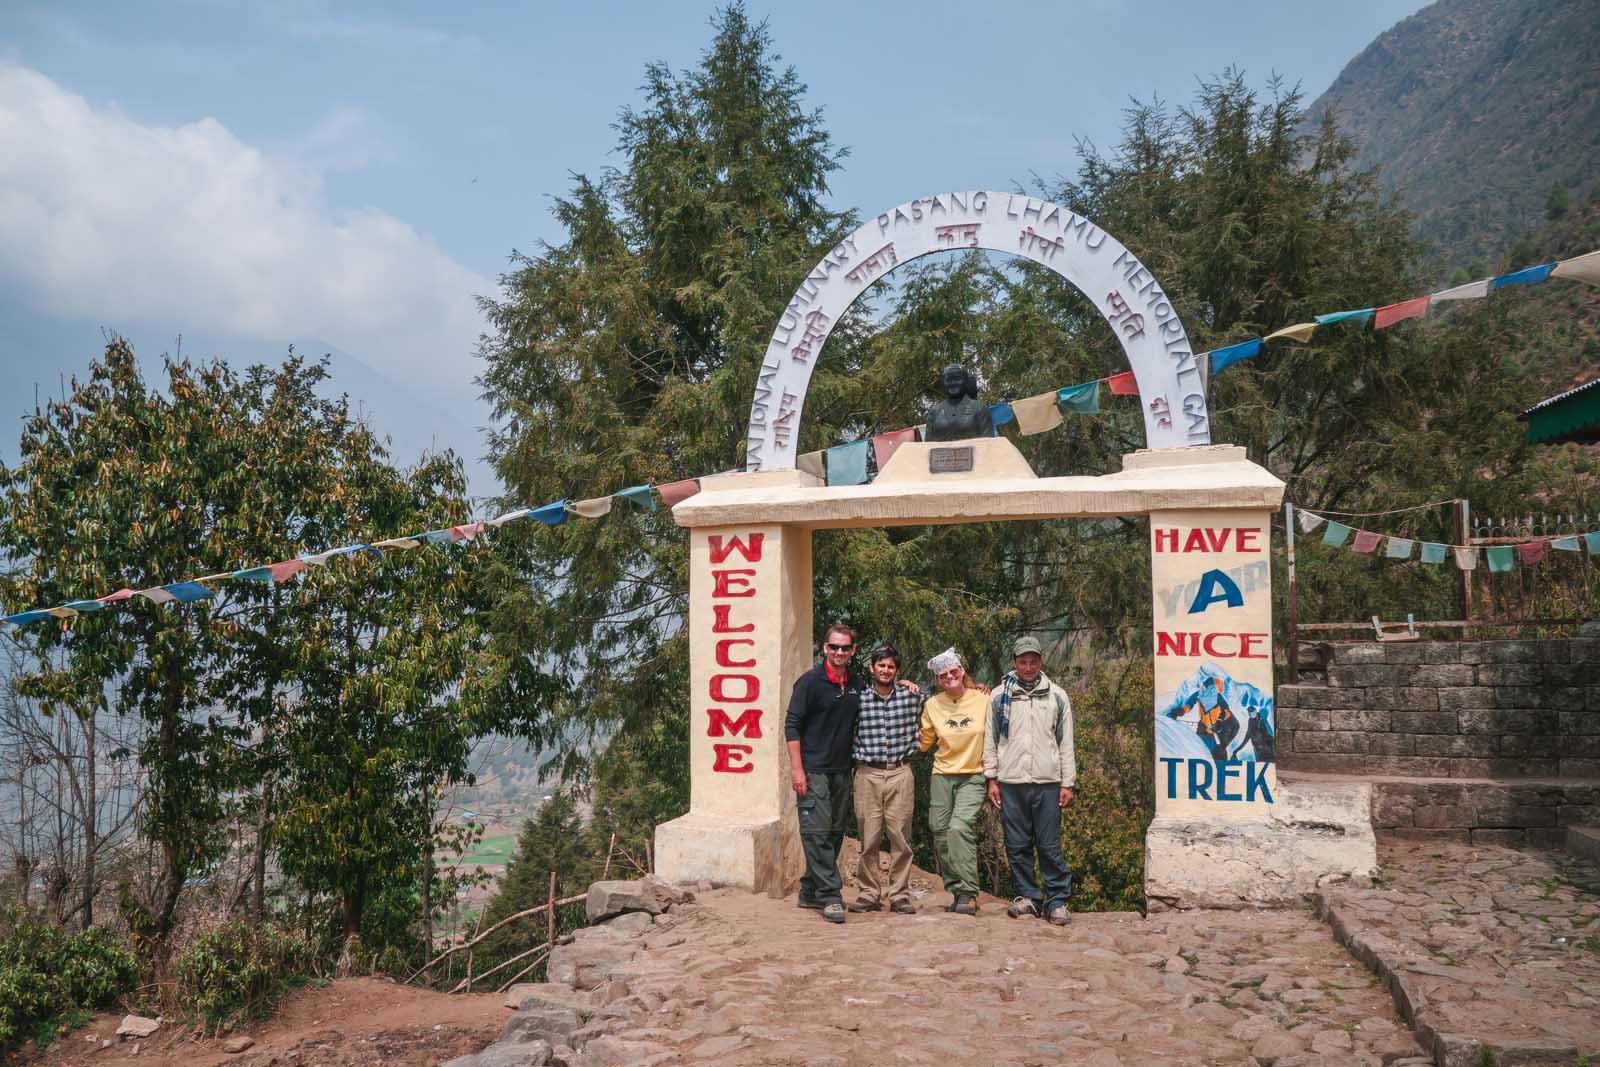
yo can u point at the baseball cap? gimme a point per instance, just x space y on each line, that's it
1026 644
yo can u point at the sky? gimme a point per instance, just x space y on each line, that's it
351 177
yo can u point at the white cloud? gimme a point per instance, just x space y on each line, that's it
103 216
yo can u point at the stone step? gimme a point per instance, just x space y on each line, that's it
1584 841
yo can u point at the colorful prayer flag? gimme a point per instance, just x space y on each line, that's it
1359 315
466 531
1124 384
1584 268
393 543
85 606
435 537
156 595
1080 399
551 514
639 495
1526 276
1591 541
1466 557
61 612
22 618
254 574
1471 291
187 592
811 463
1532 551
1501 557
500 520
1398 548
1225 357
286 570
1566 544
1414 308
320 558
1432 553
1366 541
594 507
847 464
1300 331
121 594
1336 534
885 445
1036 414
674 493
1000 414
1310 521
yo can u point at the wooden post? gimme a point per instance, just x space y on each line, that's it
1294 614
550 916
1463 536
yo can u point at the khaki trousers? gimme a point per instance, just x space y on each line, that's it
884 803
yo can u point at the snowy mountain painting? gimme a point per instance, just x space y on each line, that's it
1212 716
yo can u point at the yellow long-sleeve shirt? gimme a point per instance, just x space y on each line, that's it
958 728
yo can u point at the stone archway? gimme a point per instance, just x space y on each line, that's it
1172 384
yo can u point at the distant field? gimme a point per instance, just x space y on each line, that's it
492 850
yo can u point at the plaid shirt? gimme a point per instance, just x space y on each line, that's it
886 729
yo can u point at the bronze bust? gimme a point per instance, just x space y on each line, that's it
960 415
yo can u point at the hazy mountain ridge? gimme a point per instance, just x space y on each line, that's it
1473 109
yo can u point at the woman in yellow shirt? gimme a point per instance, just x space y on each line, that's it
954 718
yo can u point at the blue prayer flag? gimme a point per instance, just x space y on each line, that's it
1501 558
435 537
85 606
640 495
1527 276
1336 534
1222 357
1432 553
1082 399
847 464
1592 540
1566 544
254 574
1000 414
1362 314
22 618
188 592
552 514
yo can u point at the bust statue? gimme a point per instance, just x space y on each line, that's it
960 415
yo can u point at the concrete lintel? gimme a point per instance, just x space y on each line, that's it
1162 480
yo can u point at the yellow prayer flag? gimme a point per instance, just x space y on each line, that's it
1299 332
594 507
1037 414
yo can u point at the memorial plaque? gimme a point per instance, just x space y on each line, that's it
956 460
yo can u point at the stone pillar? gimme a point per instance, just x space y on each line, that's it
1227 833
749 640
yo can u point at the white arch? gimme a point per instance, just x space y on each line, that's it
1172 391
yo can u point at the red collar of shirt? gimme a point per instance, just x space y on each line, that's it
836 678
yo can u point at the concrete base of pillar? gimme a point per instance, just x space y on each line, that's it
762 857
1317 834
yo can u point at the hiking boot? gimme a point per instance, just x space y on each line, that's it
902 906
863 904
965 905
834 913
807 902
1023 907
1060 916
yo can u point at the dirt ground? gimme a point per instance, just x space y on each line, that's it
356 1021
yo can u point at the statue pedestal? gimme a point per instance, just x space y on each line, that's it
762 857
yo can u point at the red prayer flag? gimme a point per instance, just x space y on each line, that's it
1532 551
1123 384
1406 309
466 532
120 594
676 492
1366 541
287 569
885 444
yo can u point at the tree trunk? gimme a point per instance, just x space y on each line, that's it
258 886
91 840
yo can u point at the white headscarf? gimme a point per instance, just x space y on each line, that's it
944 661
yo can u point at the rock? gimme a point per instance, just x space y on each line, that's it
549 995
1103 1057
825 1061
562 1056
520 1054
717 1046
584 964
615 1052
611 992
236 1045
540 1023
137 1026
649 894
1331 1042
1275 1045
633 922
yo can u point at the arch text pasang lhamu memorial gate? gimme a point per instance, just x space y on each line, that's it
1227 831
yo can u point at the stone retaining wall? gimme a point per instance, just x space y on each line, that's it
1448 709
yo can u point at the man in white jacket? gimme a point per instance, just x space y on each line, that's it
1029 761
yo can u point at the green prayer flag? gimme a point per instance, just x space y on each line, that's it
1432 553
1336 534
1501 558
1082 399
1592 539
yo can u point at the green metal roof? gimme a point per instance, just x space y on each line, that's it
1570 416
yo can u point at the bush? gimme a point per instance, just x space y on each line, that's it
237 971
48 974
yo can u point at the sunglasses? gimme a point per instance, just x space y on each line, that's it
839 648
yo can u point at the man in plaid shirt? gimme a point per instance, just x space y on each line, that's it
886 738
